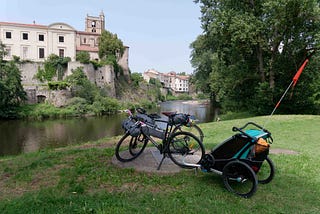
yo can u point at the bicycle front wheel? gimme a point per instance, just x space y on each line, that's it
185 149
129 148
194 129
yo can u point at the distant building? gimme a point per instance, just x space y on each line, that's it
36 42
171 80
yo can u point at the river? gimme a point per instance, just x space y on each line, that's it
22 136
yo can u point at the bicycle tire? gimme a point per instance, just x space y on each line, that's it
129 148
266 171
239 178
185 149
194 129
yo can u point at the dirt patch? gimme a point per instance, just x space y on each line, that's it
283 151
146 162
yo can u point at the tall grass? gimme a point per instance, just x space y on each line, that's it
82 179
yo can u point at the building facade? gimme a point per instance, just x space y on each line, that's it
177 83
36 42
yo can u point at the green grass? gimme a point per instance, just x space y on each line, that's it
82 179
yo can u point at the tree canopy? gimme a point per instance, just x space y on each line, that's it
110 45
251 49
11 90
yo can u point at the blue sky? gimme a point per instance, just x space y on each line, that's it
158 32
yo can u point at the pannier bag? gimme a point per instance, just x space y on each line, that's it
131 126
153 131
180 118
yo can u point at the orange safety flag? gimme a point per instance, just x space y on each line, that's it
296 77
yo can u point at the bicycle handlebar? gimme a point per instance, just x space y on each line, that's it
236 129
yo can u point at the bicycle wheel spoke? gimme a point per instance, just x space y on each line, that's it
185 149
239 178
129 148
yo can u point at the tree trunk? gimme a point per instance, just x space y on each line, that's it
260 64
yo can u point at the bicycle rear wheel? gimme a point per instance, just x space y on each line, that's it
129 148
185 149
194 129
266 171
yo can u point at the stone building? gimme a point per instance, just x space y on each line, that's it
35 43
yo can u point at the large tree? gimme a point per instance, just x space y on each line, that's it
110 45
111 50
250 49
11 90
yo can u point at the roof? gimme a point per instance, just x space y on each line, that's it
183 77
23 25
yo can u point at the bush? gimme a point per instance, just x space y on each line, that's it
79 105
83 57
59 85
105 105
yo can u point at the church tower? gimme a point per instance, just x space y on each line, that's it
95 24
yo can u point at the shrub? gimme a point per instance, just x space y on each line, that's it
83 57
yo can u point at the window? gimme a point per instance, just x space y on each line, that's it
61 38
25 36
93 24
41 53
8 35
24 52
93 30
41 37
84 40
61 52
8 51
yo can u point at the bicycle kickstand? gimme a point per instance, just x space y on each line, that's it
163 157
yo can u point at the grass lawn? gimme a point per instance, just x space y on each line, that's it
82 179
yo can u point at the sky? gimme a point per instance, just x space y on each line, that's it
158 32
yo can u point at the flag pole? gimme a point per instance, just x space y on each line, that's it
293 83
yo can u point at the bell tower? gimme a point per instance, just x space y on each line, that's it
95 24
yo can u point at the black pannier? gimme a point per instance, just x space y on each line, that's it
153 131
145 118
180 118
131 126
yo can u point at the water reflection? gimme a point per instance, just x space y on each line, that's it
202 110
20 136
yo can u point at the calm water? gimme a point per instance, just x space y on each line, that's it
19 136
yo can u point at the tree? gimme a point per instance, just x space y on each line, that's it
81 85
12 93
110 50
110 45
251 49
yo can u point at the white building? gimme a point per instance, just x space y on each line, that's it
36 42
177 83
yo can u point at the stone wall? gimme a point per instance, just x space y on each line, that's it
37 91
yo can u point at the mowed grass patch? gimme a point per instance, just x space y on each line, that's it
82 179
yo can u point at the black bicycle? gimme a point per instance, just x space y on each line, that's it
182 122
183 148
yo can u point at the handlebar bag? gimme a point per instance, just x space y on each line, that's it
130 126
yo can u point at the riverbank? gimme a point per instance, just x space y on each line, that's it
82 178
